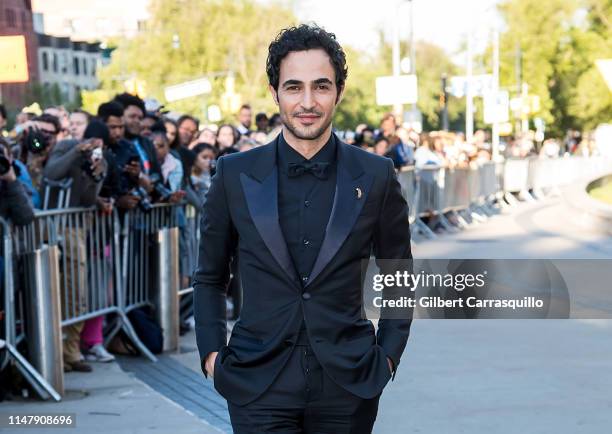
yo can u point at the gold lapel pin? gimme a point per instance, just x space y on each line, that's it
358 191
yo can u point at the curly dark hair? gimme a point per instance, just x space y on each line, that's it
127 99
301 38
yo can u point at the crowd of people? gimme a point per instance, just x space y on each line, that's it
130 154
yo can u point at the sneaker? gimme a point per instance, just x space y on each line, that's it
98 353
77 366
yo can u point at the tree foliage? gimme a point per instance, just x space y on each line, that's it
215 38
558 42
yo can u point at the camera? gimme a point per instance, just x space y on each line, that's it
91 157
5 165
162 191
144 203
35 140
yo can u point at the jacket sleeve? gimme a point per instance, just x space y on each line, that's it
218 239
61 160
16 203
393 253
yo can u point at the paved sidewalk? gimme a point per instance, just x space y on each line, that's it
110 400
456 376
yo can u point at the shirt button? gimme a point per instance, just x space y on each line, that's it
306 203
305 279
306 241
306 296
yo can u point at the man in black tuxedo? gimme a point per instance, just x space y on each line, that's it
300 214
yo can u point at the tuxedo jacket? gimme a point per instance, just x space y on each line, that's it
369 216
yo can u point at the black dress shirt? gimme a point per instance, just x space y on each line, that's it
304 204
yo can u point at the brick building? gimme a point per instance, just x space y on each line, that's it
16 19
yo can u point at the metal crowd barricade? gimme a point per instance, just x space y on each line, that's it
407 178
14 317
138 231
516 178
57 192
145 278
186 291
72 268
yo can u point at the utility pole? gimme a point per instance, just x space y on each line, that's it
412 47
398 109
444 103
495 127
469 95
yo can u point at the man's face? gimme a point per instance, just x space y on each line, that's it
48 130
245 117
116 128
307 94
388 127
132 117
78 123
186 131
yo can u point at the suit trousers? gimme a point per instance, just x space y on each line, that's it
304 399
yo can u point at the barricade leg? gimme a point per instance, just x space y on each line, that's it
166 296
461 222
43 321
420 227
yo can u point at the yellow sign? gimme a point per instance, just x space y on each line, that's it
13 61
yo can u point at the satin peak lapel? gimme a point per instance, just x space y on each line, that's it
261 194
352 188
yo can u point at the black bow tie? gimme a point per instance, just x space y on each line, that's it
317 169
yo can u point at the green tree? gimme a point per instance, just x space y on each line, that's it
188 39
589 101
558 42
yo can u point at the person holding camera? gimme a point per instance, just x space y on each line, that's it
83 162
36 141
15 204
133 171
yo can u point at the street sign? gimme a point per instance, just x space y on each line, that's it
413 119
481 84
496 108
396 89
14 60
188 89
214 113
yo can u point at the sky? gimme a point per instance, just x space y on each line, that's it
355 22
443 22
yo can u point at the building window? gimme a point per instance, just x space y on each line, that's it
93 67
24 20
75 62
65 63
84 66
45 61
54 62
11 18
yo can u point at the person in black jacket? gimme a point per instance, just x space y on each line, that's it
15 205
300 214
133 113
